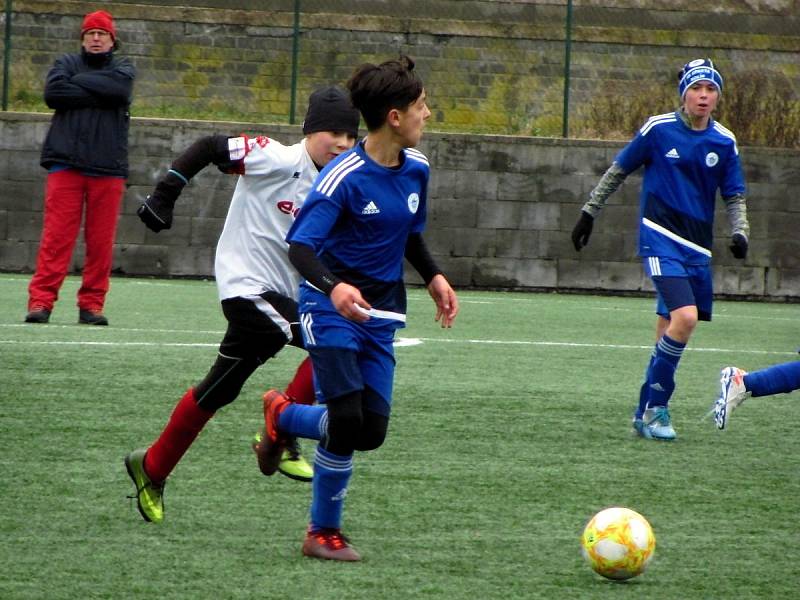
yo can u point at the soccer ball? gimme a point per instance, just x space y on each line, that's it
618 543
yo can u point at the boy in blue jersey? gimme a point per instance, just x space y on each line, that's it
364 214
737 385
687 157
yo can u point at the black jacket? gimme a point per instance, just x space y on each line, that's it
91 95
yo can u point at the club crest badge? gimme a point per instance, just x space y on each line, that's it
413 203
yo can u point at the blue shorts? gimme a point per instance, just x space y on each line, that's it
678 284
348 356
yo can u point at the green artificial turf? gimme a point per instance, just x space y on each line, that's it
508 432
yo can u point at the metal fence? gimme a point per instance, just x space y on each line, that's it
571 68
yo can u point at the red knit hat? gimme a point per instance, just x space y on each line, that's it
99 20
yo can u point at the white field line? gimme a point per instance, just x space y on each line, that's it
123 282
649 311
119 344
415 295
401 342
99 331
609 346
717 315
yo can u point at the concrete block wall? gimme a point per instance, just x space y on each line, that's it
500 215
492 67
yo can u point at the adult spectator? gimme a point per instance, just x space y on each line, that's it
86 157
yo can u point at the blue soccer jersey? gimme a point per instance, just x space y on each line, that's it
684 169
358 217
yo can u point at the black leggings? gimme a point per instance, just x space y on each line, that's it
255 334
352 426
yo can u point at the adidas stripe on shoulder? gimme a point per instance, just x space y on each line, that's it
334 177
657 120
724 130
414 154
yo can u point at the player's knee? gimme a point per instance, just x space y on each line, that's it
683 322
344 427
370 439
224 382
345 421
373 433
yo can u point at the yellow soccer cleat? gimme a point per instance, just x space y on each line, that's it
149 494
292 464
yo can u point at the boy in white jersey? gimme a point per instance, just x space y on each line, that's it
256 282
364 215
687 157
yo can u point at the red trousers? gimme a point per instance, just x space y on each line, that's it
67 193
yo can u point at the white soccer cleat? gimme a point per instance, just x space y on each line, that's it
732 394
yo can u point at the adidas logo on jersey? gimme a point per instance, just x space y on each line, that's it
672 154
370 209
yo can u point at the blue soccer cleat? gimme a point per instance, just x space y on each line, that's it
655 424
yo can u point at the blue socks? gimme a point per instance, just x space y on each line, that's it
331 475
777 379
331 471
300 420
644 391
660 379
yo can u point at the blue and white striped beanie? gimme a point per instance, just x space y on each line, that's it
701 69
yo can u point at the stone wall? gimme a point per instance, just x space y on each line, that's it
492 66
501 209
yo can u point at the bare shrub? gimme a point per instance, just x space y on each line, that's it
761 108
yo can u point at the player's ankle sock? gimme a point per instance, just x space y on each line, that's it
777 379
644 391
299 420
186 421
662 371
301 387
329 487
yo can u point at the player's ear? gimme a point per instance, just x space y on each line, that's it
393 117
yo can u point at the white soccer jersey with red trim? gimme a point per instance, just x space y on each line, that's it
252 251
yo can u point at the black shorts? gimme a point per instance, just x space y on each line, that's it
259 326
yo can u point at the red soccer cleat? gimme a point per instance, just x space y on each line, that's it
329 544
270 448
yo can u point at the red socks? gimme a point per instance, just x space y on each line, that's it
186 422
301 388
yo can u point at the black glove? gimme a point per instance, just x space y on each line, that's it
739 246
582 230
156 211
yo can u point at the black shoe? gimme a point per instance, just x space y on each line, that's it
91 317
38 315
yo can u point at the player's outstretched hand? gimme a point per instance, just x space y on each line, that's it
156 210
347 300
739 246
445 299
582 230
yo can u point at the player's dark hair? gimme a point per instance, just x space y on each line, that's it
377 89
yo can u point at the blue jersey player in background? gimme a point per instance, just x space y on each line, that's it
687 157
363 216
